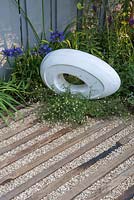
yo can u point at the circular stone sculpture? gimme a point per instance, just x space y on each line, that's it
99 78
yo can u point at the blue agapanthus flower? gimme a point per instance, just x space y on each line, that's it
57 36
94 8
110 19
44 49
131 21
12 52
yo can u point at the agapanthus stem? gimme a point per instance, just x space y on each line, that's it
43 21
30 23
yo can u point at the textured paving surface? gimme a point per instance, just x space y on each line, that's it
39 161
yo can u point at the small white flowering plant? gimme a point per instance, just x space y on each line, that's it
65 107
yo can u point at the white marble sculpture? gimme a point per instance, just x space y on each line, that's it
100 79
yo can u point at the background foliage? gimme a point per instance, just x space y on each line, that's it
105 29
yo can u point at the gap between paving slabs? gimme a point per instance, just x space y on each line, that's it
18 130
53 168
53 186
24 140
35 146
108 187
21 114
100 172
51 153
127 194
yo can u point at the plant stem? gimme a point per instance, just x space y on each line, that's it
43 21
51 15
29 21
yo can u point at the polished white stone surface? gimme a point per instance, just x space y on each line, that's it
100 79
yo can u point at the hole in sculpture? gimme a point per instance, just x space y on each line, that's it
73 79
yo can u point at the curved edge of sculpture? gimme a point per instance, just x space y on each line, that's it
100 79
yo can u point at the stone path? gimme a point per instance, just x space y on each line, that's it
40 161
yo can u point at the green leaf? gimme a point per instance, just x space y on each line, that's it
79 6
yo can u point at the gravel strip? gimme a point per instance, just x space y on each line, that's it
28 158
21 135
14 125
34 128
77 179
40 151
93 168
96 186
20 115
31 142
104 146
66 168
45 165
120 189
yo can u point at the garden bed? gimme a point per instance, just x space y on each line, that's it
111 41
